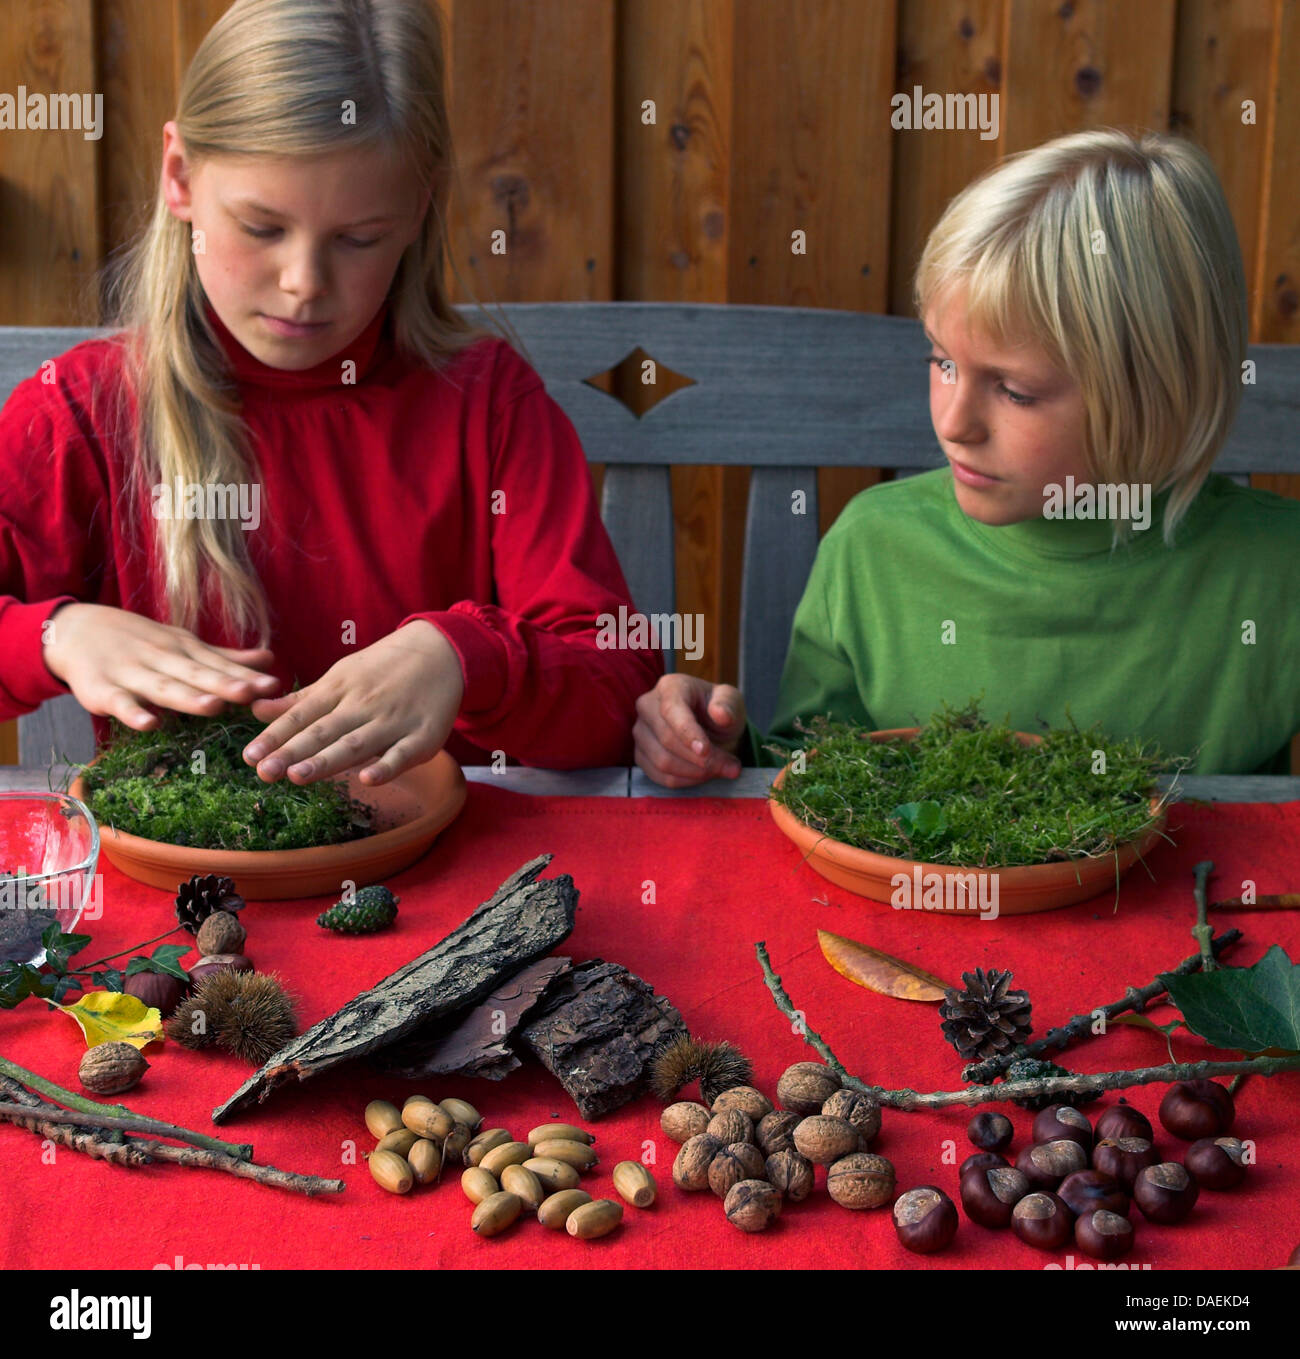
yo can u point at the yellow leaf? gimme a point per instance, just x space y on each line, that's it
879 971
114 1017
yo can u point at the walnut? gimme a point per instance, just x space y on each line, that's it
684 1120
775 1132
752 1204
806 1086
731 1126
221 932
752 1103
858 1109
739 1161
861 1180
110 1068
823 1140
691 1168
790 1174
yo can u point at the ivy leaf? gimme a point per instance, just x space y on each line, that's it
111 979
921 820
18 981
62 987
1248 1009
166 960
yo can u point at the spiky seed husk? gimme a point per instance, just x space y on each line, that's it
248 1013
683 1059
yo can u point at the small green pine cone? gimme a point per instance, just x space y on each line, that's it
371 909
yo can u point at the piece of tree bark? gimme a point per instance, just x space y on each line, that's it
596 1031
522 920
474 1042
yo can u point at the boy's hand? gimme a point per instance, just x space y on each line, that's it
387 707
115 662
687 731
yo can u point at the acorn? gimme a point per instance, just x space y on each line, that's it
221 932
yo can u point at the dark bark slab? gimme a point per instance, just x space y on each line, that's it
596 1032
522 920
474 1042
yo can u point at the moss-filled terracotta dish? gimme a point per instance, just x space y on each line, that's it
966 891
410 811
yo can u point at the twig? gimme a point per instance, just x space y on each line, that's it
136 1123
1135 999
1237 1082
1284 901
90 967
42 1119
1013 1090
1077 1085
1202 931
107 1115
783 1004
311 1185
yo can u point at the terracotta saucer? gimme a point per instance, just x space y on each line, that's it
412 809
1019 891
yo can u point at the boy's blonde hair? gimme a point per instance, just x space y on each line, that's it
1116 253
271 78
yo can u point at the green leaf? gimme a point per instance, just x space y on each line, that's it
110 979
921 820
26 981
163 960
1248 1009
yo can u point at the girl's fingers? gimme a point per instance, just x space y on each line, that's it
405 753
352 748
679 730
311 726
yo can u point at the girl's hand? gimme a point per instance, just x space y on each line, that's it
115 662
687 731
387 707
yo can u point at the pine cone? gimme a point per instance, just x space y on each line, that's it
371 909
198 898
986 1019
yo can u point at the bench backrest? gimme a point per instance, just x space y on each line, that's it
781 390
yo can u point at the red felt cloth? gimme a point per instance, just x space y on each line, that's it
723 877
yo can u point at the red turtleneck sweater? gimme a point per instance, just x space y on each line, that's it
378 506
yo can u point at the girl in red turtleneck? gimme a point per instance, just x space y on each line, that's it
296 438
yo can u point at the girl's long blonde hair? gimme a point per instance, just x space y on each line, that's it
1117 254
272 78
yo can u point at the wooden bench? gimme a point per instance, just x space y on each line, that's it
780 390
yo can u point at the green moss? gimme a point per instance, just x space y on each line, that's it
967 793
153 784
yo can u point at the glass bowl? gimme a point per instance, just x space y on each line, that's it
49 850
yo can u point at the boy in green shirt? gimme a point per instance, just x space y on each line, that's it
1086 305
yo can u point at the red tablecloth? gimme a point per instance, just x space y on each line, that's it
723 877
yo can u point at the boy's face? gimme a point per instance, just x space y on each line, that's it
330 231
1008 422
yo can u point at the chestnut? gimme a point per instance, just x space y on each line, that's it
1046 1164
988 1196
155 989
1042 1220
1217 1162
925 1219
1103 1235
1124 1159
1124 1121
1165 1192
1088 1190
990 1132
219 962
982 1160
1063 1121
1195 1109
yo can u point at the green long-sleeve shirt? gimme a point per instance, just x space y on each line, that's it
911 602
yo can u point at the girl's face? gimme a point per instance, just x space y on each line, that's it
296 255
1007 420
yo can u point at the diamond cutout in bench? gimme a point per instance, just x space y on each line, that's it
639 381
